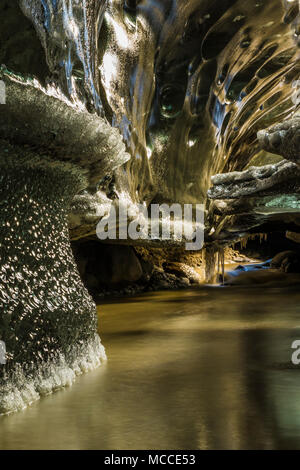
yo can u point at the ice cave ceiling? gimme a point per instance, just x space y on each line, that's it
190 84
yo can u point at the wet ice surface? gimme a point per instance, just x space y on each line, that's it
178 79
207 368
48 320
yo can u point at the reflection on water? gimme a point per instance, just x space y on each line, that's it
200 369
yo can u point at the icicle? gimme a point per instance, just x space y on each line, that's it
244 242
222 261
210 264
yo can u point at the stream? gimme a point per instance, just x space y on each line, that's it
205 368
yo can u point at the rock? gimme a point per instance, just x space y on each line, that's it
255 181
295 237
163 285
182 270
107 265
184 282
270 277
283 138
287 261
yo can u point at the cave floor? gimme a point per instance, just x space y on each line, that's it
205 368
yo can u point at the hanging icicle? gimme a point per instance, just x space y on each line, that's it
221 264
210 264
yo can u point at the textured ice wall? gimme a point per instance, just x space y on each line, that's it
48 320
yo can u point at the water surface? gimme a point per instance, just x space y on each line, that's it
208 368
